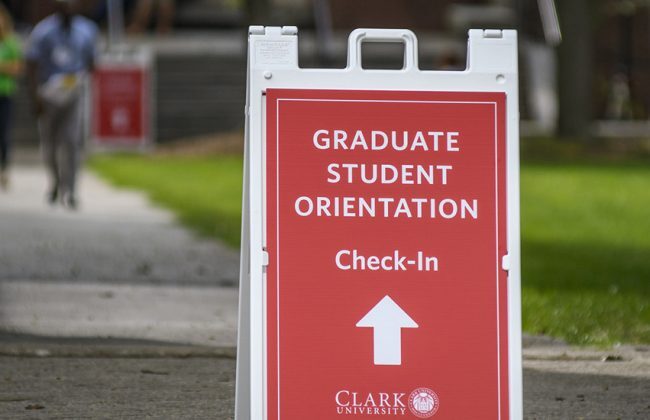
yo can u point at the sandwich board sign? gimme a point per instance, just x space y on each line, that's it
121 116
380 238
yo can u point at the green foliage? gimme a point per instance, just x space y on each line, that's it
585 235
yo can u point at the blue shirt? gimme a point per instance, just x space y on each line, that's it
60 50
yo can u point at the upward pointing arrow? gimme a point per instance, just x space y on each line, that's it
387 319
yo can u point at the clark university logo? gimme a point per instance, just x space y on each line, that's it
423 403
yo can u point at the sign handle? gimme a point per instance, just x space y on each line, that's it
359 36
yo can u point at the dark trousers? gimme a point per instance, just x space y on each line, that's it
61 141
5 118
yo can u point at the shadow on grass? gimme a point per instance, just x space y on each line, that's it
583 267
586 294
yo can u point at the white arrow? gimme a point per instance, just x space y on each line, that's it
387 319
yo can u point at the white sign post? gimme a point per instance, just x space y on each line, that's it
380 261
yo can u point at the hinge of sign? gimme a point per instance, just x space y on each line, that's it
505 262
265 258
289 30
492 33
256 30
272 30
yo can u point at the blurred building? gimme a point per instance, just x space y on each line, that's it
621 85
597 81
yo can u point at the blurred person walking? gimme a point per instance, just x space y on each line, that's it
10 68
60 54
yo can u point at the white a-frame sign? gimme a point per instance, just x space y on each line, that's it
380 271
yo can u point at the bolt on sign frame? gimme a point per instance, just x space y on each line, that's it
380 260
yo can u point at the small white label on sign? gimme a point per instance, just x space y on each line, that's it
273 52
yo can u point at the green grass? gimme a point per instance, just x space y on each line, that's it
205 192
586 252
585 235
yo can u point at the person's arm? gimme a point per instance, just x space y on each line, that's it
92 54
13 65
33 54
32 86
11 68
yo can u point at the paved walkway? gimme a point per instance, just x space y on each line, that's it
117 267
136 379
114 311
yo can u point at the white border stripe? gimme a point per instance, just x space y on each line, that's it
277 242
496 217
496 190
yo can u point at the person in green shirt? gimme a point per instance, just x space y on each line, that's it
10 68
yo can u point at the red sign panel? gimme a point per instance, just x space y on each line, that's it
386 225
120 114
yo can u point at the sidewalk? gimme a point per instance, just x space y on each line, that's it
118 267
115 311
562 382
121 379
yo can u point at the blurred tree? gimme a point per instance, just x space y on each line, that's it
575 67
257 11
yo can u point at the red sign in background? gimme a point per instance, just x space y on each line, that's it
321 365
120 113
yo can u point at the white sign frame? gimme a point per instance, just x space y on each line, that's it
273 63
